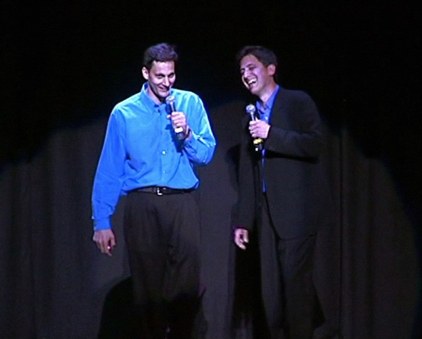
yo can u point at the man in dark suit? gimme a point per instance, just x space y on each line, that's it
282 190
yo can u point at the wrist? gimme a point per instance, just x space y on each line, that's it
187 134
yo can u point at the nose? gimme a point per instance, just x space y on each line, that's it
166 81
246 73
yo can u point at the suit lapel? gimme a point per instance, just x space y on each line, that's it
279 114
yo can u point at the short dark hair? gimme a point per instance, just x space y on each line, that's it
160 52
263 54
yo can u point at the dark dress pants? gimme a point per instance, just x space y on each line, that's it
162 235
286 279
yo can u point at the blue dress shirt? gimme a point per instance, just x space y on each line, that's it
265 109
140 149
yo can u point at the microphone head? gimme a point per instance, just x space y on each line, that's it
250 109
170 99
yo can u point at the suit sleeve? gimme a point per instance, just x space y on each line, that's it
246 204
302 136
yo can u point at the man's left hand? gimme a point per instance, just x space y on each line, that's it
178 119
259 129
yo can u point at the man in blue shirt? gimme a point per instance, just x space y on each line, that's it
151 148
283 194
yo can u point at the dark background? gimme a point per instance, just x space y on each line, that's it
64 65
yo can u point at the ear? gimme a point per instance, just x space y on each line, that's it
145 73
271 69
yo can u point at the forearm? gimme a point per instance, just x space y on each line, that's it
200 150
105 196
307 144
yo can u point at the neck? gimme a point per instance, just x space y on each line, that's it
268 91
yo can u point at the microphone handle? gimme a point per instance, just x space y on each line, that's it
257 141
258 144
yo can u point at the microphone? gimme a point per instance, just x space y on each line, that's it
177 130
251 110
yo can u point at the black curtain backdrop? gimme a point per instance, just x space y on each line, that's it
65 64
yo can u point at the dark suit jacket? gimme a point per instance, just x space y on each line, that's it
298 196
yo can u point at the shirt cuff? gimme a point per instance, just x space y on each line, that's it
102 224
188 135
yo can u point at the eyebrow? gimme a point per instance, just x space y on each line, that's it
162 74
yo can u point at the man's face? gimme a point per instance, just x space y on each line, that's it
161 78
255 76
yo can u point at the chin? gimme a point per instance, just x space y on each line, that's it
253 90
164 95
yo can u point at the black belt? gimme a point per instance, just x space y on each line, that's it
161 190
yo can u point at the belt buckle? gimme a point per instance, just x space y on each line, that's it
159 191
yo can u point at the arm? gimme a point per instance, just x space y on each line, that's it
200 144
246 204
304 137
107 185
245 215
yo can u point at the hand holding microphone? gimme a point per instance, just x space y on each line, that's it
178 119
258 128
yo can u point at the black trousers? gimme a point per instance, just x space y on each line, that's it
288 292
162 236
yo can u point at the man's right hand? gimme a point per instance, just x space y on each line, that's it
105 241
241 237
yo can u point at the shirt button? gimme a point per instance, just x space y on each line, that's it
163 152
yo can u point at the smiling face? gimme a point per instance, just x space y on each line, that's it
256 77
161 77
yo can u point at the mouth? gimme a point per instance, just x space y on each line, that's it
250 82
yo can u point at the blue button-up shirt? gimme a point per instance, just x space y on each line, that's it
265 109
140 149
